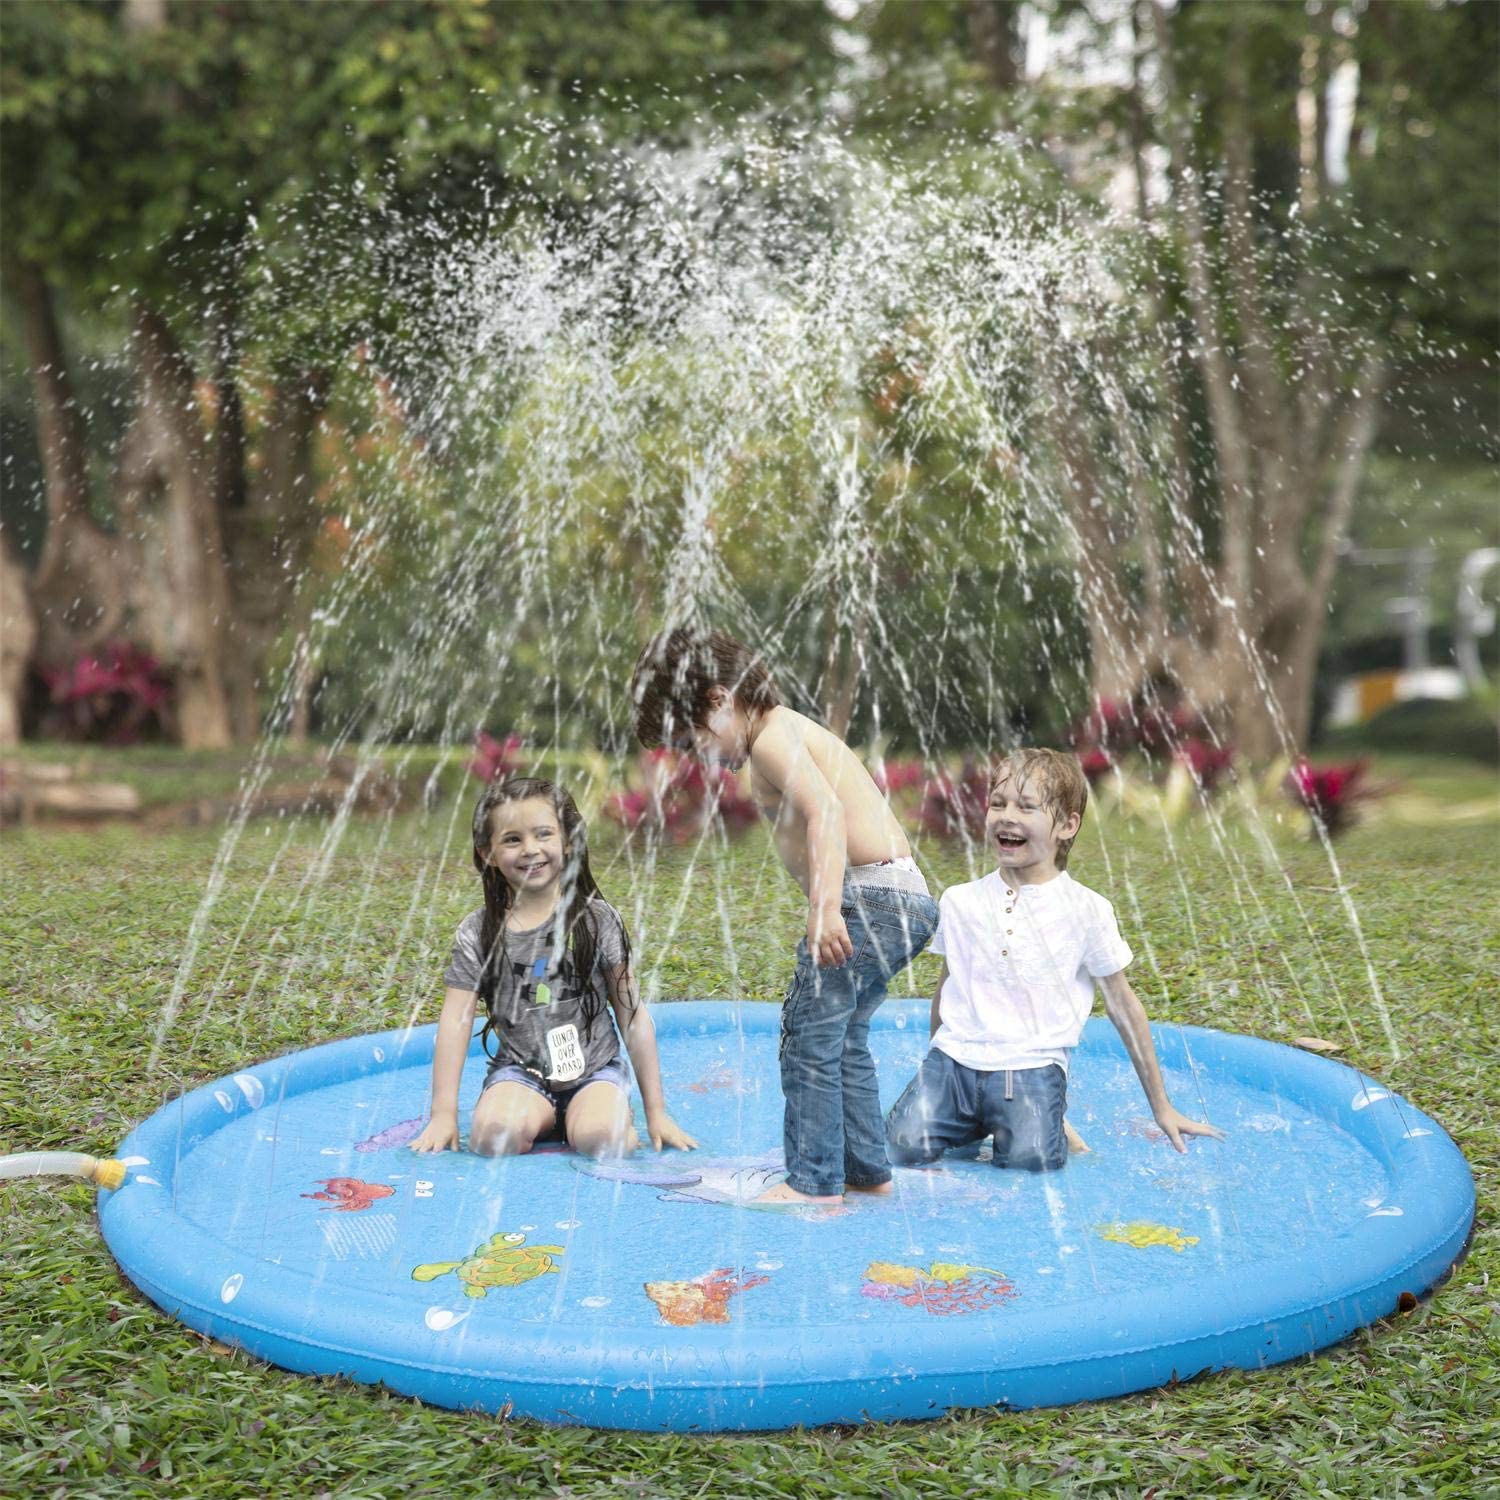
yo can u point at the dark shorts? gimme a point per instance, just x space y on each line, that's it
948 1105
558 1097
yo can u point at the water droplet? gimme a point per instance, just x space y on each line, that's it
1366 1097
136 1161
225 1102
379 1054
252 1088
439 1319
568 1223
231 1288
593 1301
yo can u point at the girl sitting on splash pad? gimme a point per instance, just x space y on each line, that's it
542 953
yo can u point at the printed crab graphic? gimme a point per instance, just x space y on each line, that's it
503 1260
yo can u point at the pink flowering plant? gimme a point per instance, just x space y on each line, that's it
678 799
494 759
116 695
952 805
1111 734
1332 796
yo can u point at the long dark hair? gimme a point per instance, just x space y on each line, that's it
579 925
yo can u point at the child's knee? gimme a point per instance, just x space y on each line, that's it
1035 1159
907 1141
605 1141
1044 1150
500 1139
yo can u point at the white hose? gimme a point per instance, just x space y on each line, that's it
109 1174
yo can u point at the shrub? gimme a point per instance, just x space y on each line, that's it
1205 761
1463 727
114 696
680 799
954 805
494 759
1332 795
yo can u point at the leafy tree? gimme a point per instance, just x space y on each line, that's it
212 175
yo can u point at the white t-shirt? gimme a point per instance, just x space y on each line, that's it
1022 961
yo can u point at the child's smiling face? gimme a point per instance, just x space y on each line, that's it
1023 831
527 844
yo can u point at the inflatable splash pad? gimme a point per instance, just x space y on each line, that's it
280 1210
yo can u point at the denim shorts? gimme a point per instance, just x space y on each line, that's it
614 1072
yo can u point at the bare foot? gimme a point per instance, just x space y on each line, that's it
783 1194
874 1190
1076 1145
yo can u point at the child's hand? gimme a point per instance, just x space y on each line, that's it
437 1135
665 1131
1176 1126
828 938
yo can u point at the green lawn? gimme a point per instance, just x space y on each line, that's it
312 938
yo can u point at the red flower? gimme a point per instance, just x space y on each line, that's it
494 759
1205 761
110 696
1095 763
1331 794
956 805
1109 724
680 799
893 776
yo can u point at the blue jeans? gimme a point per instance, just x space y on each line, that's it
833 1132
947 1105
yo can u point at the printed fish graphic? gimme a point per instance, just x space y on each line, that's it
394 1135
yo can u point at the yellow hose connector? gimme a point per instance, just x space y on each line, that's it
108 1174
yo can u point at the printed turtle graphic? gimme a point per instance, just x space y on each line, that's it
503 1260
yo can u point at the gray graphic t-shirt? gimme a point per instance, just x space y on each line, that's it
538 1006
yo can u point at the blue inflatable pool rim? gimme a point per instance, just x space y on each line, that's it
227 1260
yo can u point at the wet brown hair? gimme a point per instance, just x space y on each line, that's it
1058 779
672 685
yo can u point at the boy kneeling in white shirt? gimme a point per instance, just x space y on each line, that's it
1022 950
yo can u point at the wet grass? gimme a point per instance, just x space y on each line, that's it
102 1395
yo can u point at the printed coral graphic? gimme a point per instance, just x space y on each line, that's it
503 1260
942 1288
704 1299
1143 1235
350 1194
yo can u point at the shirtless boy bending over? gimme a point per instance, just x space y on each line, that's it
868 909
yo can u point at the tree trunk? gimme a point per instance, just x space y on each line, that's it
18 633
195 574
995 35
270 539
77 593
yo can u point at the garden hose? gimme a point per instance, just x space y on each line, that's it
100 1171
